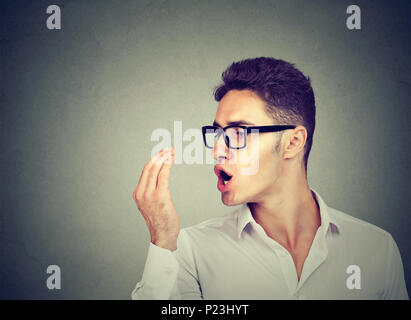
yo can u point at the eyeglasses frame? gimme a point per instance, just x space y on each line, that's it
262 129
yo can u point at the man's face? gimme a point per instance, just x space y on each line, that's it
243 107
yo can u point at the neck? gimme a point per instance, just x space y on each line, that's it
288 213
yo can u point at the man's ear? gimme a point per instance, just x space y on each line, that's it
295 142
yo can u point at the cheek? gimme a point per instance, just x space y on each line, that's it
268 165
263 151
257 148
261 161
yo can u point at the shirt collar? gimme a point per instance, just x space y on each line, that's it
244 217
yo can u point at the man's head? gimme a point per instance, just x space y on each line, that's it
265 91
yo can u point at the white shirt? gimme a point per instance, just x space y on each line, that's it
231 257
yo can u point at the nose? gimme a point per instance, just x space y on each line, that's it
220 150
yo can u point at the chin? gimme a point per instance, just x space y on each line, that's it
229 200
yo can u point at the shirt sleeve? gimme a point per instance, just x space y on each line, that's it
169 274
395 288
187 286
159 275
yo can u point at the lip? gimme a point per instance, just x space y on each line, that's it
220 184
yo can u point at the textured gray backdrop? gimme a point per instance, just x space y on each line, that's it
78 107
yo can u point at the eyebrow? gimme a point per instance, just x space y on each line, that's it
234 123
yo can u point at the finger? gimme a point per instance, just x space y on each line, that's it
155 169
142 182
164 174
158 155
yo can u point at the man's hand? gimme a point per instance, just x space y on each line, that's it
153 199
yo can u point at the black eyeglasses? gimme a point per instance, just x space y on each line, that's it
235 137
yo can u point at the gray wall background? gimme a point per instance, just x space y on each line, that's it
78 107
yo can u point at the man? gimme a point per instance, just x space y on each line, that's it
283 242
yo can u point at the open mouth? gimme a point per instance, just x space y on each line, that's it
224 178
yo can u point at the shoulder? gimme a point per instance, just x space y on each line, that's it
357 230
